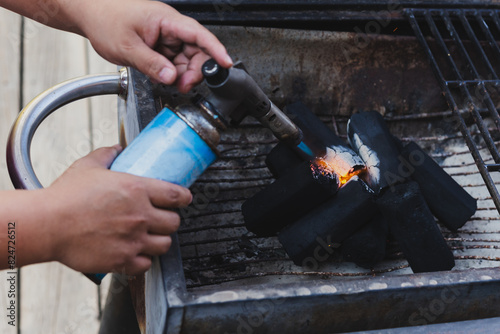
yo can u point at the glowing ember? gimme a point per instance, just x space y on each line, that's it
339 163
325 175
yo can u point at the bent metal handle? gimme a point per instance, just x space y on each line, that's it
18 146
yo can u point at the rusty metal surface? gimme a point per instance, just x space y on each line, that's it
133 115
137 292
337 73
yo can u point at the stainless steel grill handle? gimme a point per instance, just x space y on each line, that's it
18 146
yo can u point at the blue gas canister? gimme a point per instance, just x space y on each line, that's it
176 146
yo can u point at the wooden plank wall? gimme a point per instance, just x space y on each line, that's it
54 298
9 101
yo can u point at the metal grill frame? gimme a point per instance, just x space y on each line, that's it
382 302
469 104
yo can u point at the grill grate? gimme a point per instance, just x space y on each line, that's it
216 248
465 58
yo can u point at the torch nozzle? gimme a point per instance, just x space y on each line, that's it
236 95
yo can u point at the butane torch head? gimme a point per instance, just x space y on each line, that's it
213 73
235 95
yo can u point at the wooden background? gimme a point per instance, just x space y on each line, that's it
54 298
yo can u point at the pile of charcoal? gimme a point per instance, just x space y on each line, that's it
354 198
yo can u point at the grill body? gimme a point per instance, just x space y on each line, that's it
218 278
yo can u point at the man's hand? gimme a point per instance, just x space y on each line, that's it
154 38
148 35
110 221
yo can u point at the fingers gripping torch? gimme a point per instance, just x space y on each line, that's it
178 145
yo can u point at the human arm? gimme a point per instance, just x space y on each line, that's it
148 35
92 219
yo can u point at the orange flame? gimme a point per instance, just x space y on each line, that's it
341 168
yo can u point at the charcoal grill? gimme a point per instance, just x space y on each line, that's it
338 58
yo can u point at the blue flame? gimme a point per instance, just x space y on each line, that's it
305 149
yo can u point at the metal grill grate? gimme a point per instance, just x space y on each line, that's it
465 56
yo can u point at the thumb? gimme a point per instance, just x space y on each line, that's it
102 157
153 64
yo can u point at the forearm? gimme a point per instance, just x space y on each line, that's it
29 215
149 35
59 14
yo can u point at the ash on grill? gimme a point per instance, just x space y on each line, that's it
384 203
